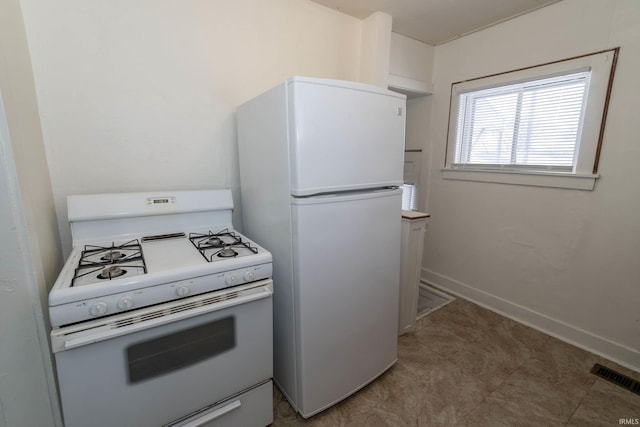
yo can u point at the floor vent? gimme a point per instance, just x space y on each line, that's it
430 299
616 378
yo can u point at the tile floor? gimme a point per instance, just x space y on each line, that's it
467 366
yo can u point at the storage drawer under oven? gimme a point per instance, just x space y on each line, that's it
251 408
152 366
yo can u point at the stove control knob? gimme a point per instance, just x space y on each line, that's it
248 276
182 290
125 303
98 308
231 280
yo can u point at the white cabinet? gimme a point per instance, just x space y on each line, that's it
410 66
413 228
411 87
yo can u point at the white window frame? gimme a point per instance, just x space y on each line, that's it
584 174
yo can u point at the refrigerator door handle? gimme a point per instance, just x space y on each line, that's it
346 195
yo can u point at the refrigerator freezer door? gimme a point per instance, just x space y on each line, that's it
347 260
344 137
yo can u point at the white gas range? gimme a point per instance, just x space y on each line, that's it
162 313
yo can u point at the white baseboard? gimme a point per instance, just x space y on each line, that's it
615 352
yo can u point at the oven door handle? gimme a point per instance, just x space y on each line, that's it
60 341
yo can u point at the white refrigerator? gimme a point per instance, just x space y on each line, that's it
320 166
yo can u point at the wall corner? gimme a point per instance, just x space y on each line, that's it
376 49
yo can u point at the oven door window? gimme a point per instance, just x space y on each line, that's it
175 351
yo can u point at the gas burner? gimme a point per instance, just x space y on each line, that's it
215 241
227 253
111 273
112 256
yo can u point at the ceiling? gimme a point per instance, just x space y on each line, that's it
438 21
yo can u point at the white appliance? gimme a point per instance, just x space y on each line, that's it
320 166
162 314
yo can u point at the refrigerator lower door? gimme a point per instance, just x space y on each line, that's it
346 275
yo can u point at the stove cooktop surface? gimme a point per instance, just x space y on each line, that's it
101 263
156 268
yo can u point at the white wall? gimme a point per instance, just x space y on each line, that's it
411 58
412 62
29 244
130 96
24 386
376 44
566 261
141 95
416 138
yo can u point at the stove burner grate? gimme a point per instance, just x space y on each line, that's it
223 244
109 261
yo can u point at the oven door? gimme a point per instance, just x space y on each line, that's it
152 366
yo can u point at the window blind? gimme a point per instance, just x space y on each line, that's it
531 125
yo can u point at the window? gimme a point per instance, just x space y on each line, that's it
536 126
533 125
